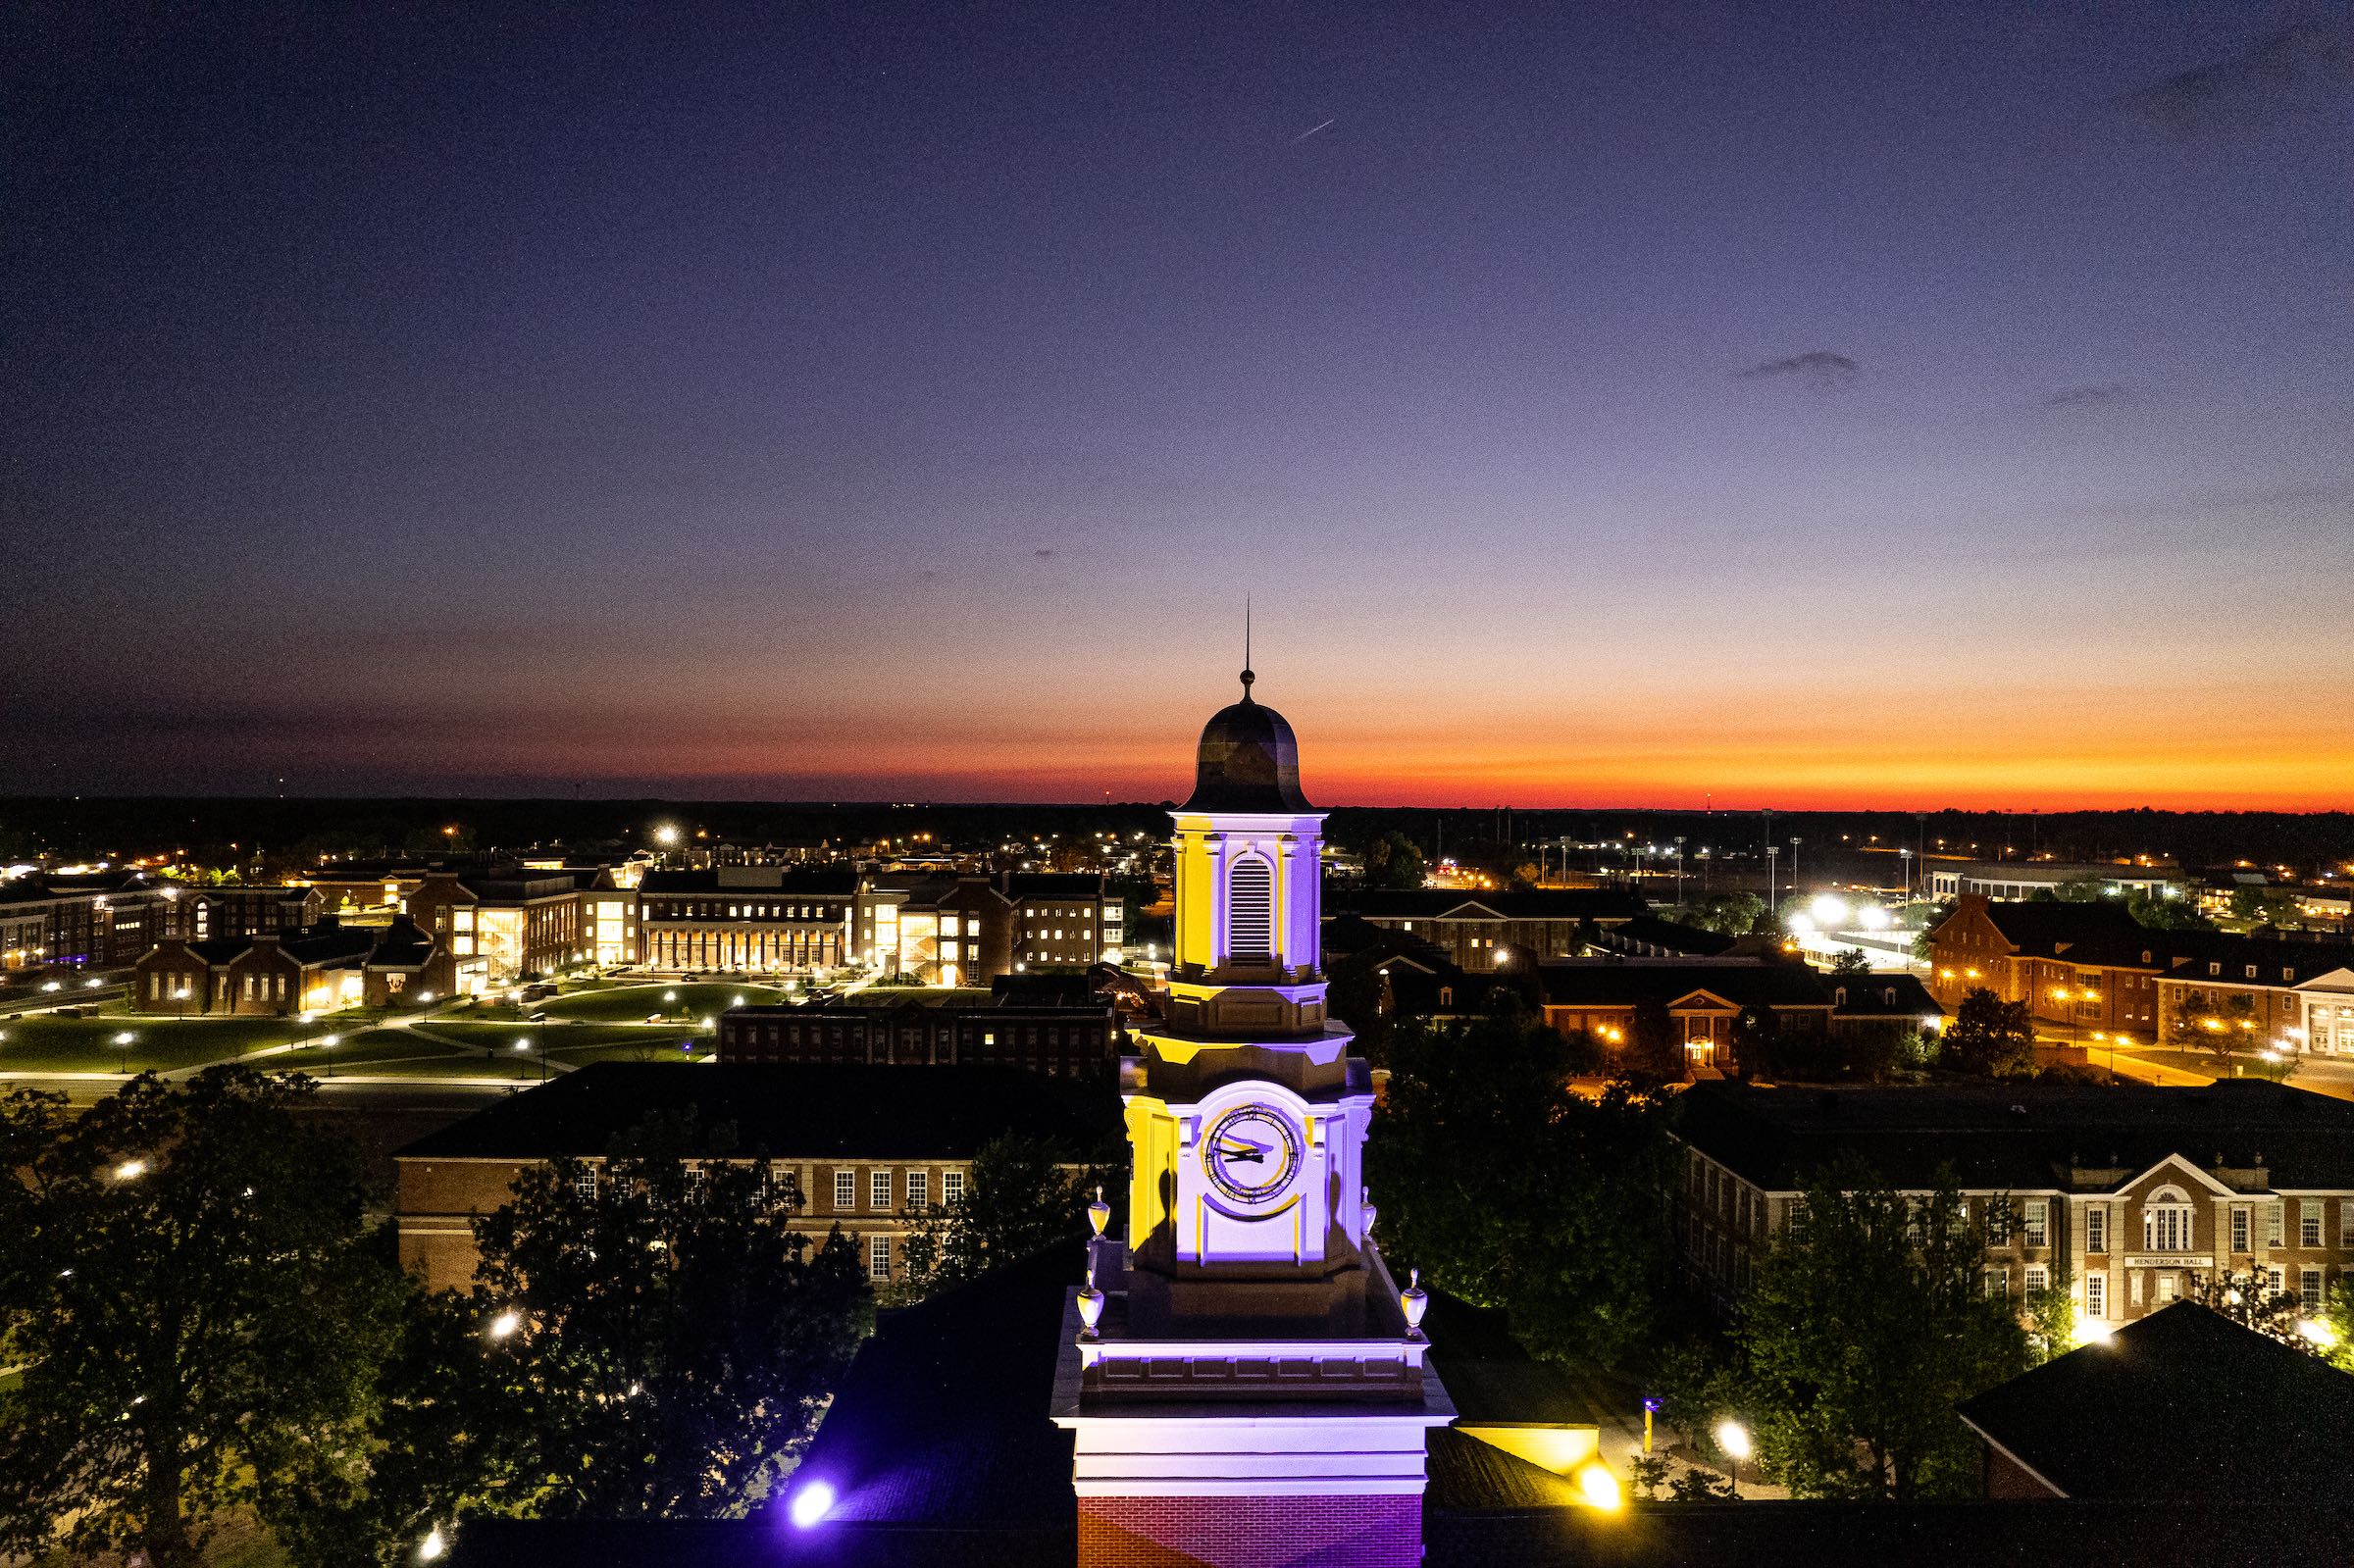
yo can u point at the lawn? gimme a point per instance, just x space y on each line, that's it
2248 1064
87 1044
632 1003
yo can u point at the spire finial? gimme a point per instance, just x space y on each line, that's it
1248 677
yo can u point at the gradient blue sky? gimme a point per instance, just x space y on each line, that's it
1897 405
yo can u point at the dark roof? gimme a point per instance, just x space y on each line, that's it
1054 884
1631 981
941 1420
404 945
1518 903
2022 1135
815 883
327 942
2045 929
2194 950
1885 996
1665 937
36 889
1248 760
2227 1413
812 1110
1051 989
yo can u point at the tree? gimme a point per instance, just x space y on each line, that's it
1925 946
1654 1054
1864 1326
1727 914
191 1294
2272 906
2082 890
1757 1045
2248 1298
2218 1022
1394 861
1850 961
2164 908
1990 1037
1510 1190
1022 1196
652 1339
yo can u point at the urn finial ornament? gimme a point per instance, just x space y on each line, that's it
1417 1301
1098 1215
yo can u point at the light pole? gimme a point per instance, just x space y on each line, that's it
122 1044
1905 858
1679 870
1771 850
1733 1438
327 1043
1793 865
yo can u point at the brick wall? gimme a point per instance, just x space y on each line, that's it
1361 1532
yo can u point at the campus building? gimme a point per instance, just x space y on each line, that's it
868 1148
2120 1195
491 928
754 920
1472 930
1060 1037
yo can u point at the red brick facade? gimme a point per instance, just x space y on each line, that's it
1359 1532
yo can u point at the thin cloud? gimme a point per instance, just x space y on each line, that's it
1819 369
2087 397
1041 554
2303 65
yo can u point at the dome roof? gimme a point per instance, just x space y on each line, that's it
1249 761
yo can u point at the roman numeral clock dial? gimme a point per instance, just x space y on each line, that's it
1251 1154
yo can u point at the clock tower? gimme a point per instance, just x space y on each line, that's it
1245 1381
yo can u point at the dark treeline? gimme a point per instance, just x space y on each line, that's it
207 828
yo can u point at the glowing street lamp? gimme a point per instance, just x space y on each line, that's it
1733 1438
122 1044
130 1170
505 1324
810 1505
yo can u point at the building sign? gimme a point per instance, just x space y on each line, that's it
2171 1260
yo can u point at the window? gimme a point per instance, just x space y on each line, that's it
919 1189
1250 911
878 1190
2272 1223
2168 1285
845 1189
584 1183
1998 1283
2309 1222
951 1186
2165 1223
2096 1295
2096 1228
2040 1279
2133 1286
696 1175
2278 1277
878 1257
2039 1222
2239 1227
2309 1289
2345 1222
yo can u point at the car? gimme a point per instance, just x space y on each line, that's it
653 1018
69 1012
540 1017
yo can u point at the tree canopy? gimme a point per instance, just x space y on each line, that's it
1395 860
654 1338
1990 1037
1021 1196
195 1304
1510 1189
1867 1322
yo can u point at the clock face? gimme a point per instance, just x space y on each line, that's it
1252 1153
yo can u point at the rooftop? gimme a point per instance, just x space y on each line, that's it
804 1111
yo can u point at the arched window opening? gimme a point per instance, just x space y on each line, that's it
1250 911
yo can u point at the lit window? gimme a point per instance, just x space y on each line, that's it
2096 1295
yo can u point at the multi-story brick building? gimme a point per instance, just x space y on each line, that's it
936 931
1473 929
101 919
868 1148
1063 920
202 914
758 919
490 928
2121 1194
2086 969
318 967
1059 1038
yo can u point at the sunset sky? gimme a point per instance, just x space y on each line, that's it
1790 405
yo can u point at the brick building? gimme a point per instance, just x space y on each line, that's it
1063 920
868 1147
2089 968
758 919
490 928
2123 1194
1471 929
1063 1038
318 967
102 920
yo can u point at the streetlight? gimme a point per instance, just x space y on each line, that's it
1733 1438
327 1043
130 1170
505 1324
123 1041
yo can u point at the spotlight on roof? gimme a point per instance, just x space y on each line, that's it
811 1504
